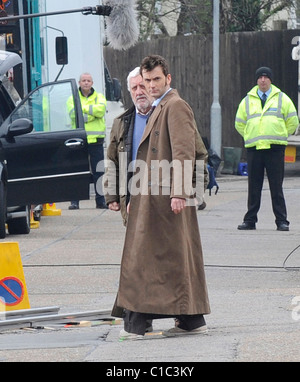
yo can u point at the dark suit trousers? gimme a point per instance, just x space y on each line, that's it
96 157
271 160
137 323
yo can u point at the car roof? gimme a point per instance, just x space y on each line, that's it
7 61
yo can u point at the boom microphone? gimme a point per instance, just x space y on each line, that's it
122 25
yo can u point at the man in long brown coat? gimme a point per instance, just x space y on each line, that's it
162 270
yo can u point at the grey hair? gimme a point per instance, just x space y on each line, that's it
85 74
134 73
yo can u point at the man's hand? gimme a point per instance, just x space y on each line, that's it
114 206
177 205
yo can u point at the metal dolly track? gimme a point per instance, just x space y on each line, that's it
21 320
30 312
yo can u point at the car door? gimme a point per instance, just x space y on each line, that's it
49 164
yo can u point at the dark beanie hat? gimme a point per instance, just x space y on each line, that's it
263 71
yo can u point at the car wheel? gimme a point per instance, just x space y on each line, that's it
20 226
2 210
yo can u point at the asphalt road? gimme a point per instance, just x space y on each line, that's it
73 261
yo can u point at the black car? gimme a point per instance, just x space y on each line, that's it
43 152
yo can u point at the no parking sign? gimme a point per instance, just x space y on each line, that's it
13 291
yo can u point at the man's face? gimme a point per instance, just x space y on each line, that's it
140 97
264 83
156 82
86 82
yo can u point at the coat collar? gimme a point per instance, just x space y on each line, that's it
274 90
156 113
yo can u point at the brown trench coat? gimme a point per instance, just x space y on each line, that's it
162 269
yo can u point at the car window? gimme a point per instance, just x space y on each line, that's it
50 108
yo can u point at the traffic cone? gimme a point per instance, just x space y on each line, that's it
33 224
49 209
13 290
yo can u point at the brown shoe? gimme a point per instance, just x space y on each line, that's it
174 332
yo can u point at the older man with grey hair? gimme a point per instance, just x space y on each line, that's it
126 133
125 136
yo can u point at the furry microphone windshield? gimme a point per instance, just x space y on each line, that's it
122 25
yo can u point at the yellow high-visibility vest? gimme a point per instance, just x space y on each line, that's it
93 108
271 124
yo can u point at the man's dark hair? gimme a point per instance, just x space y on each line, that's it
151 62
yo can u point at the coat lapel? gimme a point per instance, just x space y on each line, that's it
155 115
150 123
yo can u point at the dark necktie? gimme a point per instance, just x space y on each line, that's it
263 99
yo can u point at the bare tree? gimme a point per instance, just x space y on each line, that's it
153 15
249 15
196 16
